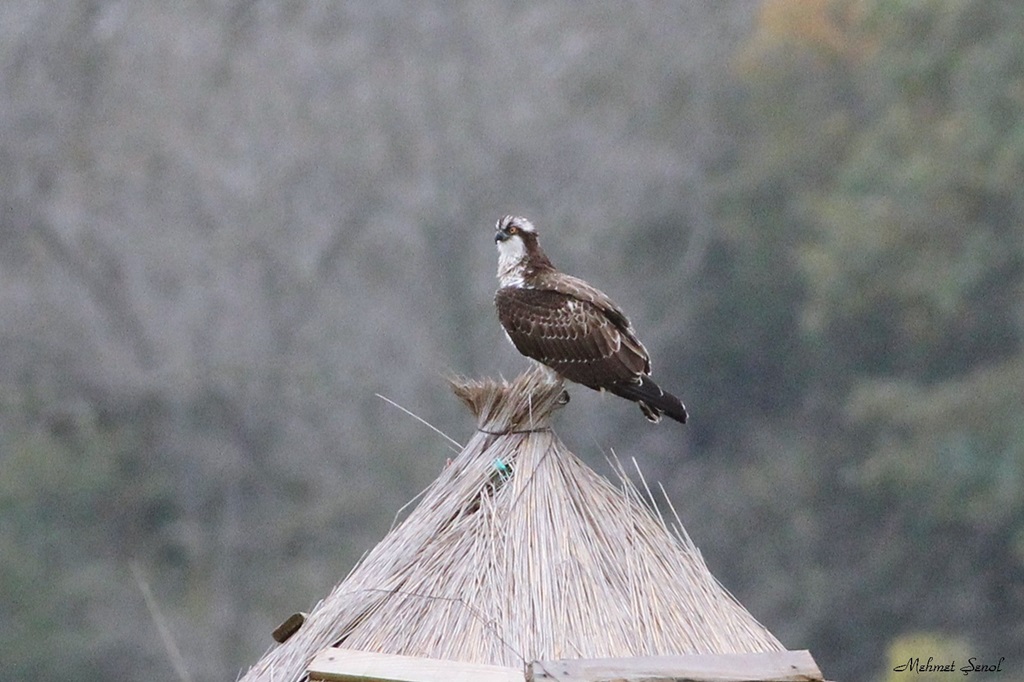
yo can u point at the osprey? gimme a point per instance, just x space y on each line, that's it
568 325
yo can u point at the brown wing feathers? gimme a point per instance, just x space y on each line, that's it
574 337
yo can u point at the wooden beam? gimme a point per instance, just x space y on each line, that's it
348 665
776 666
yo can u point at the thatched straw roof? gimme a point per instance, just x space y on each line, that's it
518 552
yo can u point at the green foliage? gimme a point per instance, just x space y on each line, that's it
71 504
920 246
884 168
955 448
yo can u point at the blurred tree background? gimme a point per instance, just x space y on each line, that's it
226 226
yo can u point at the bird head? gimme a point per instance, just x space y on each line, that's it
516 239
513 236
513 227
519 254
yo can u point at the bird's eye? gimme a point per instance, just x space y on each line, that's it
513 230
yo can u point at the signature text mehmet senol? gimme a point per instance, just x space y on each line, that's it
914 665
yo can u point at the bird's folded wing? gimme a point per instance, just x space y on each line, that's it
574 336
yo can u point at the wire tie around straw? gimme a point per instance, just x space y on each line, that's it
509 432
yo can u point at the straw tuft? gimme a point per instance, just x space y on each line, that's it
519 552
523 405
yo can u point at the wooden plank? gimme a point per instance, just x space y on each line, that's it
776 666
349 665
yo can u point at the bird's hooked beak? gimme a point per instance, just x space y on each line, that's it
501 236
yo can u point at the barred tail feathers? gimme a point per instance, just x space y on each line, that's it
653 401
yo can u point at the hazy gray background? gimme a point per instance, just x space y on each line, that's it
226 226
